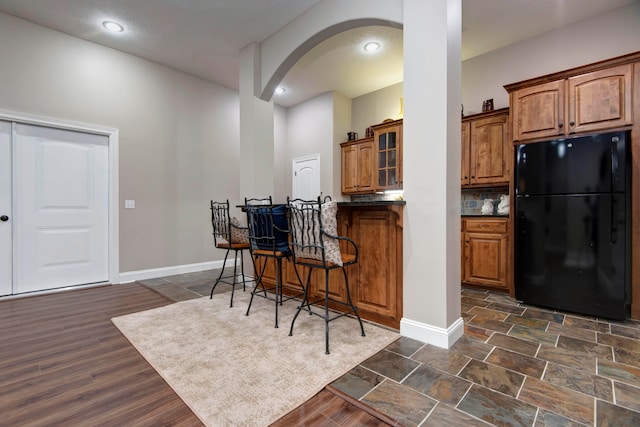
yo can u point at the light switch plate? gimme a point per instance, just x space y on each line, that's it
129 204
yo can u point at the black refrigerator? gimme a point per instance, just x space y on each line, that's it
572 224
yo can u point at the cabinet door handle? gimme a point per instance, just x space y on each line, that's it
560 125
572 123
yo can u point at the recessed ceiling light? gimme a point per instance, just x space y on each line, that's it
371 46
280 90
113 26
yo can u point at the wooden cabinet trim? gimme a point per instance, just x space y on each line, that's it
595 66
385 125
465 171
356 141
635 197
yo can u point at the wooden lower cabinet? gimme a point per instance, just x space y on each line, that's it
485 254
378 290
376 280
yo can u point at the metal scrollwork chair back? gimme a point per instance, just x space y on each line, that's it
315 244
229 235
269 242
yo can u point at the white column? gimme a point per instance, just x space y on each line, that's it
431 153
256 130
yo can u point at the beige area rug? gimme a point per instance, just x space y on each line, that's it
237 370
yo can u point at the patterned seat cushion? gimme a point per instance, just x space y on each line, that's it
239 232
330 224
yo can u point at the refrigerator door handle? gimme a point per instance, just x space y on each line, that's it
614 164
614 219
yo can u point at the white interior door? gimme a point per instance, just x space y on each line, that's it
61 208
306 177
6 214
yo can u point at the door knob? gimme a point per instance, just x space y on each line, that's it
4 218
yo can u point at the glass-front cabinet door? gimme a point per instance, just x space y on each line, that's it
388 140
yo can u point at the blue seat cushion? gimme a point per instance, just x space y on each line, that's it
279 214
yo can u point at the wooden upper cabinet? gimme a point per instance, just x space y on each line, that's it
387 140
538 111
349 168
486 149
358 162
465 175
488 153
587 102
600 100
366 158
373 164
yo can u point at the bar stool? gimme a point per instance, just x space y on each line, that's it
228 234
315 244
268 239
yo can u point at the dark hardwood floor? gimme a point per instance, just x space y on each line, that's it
329 409
63 363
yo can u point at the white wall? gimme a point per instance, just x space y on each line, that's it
317 126
286 46
342 108
373 108
281 160
179 137
431 218
310 131
178 134
602 37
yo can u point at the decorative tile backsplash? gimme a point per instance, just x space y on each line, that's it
471 200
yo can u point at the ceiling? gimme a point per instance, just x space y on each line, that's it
204 37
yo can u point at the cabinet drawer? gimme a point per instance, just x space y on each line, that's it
486 225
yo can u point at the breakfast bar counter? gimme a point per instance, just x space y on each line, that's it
376 227
375 281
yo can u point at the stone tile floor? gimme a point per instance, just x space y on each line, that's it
516 365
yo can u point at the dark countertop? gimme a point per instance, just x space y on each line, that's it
374 203
484 216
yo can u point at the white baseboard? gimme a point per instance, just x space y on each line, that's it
153 273
430 334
